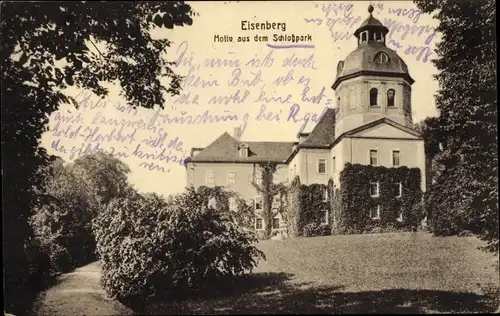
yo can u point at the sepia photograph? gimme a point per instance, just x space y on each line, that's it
249 157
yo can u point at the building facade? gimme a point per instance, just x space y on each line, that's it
370 125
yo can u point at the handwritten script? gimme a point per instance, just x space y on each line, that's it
407 36
275 86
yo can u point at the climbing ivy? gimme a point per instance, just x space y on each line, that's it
356 201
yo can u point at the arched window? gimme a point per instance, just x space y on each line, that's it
340 65
381 58
363 37
373 96
391 94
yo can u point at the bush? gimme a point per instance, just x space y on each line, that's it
150 247
314 230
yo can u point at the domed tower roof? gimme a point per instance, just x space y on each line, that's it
372 57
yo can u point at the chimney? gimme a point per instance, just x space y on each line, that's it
236 133
195 151
302 137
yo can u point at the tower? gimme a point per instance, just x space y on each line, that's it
372 82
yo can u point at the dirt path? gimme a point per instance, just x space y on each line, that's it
78 293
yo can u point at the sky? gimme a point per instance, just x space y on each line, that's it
270 90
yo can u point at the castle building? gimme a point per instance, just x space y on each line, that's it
371 125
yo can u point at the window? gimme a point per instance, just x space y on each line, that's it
338 102
373 157
232 204
400 215
381 58
334 164
324 216
276 223
363 37
340 65
374 189
243 151
259 223
258 203
390 97
396 158
210 177
276 202
322 166
373 96
258 177
231 177
375 212
399 190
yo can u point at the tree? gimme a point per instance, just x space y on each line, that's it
464 193
32 80
268 190
74 194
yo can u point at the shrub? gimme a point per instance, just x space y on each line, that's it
314 230
150 247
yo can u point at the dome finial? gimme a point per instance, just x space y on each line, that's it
370 8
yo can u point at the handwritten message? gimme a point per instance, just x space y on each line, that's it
247 91
407 35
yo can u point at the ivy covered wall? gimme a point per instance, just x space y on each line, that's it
370 199
308 210
395 192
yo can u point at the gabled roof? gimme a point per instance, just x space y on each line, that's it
225 149
380 121
353 132
323 133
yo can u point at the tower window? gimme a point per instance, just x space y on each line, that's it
363 37
373 96
390 97
340 66
381 58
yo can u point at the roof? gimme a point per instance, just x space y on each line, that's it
380 121
225 149
361 61
323 133
352 132
371 23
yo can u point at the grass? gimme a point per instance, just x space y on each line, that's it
372 273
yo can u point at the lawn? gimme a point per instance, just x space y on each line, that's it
392 273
